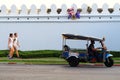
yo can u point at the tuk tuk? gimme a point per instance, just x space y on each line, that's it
74 58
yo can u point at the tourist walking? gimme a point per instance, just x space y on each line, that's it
10 45
16 44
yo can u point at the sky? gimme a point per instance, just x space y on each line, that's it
34 36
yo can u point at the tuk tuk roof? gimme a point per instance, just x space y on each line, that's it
79 37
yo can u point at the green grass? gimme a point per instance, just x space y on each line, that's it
50 60
116 58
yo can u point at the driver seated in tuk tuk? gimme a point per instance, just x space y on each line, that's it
66 50
92 51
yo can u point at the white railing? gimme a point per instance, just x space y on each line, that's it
42 15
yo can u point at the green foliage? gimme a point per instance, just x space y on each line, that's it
34 54
45 53
4 53
115 53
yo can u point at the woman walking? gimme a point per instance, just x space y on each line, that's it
10 45
16 44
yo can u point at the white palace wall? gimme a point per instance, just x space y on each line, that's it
39 29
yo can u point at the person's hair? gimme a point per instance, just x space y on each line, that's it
92 41
10 35
15 34
66 47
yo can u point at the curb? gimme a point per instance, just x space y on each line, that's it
116 64
12 63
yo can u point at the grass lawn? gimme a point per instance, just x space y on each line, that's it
49 60
117 58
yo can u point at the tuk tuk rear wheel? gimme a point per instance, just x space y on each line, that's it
109 62
73 61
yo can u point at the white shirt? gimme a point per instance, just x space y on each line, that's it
15 42
11 42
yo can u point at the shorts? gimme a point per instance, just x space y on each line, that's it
10 46
16 47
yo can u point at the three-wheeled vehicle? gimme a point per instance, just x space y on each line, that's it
73 57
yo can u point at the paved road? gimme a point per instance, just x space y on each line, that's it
57 72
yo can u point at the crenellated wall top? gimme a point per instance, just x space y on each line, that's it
44 14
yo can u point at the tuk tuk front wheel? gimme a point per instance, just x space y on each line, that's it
73 61
109 62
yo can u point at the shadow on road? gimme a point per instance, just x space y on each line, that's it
87 66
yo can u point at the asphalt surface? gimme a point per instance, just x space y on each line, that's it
58 72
